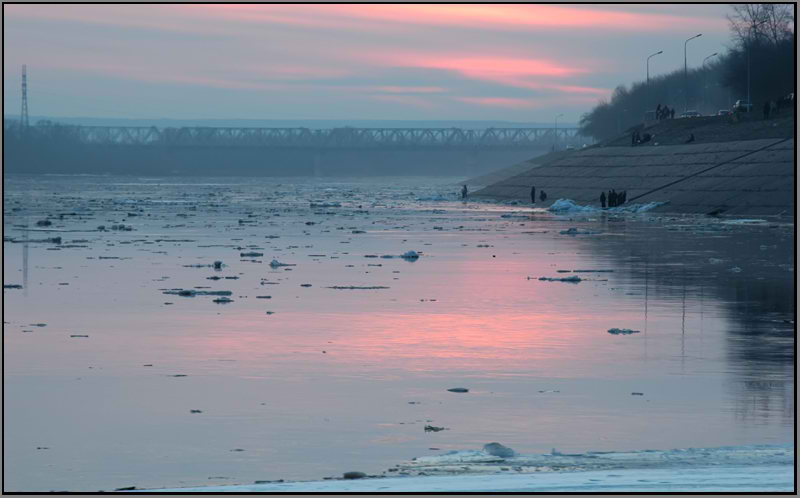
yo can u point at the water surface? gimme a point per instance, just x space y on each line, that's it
346 379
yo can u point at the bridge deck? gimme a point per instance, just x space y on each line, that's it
336 138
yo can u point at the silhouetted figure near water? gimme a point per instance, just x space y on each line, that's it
464 192
543 196
658 111
672 113
533 195
766 110
612 199
691 138
603 199
623 197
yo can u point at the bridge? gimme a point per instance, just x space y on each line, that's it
327 139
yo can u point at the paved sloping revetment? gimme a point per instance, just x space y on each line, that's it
751 177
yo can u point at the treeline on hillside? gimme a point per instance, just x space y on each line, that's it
762 32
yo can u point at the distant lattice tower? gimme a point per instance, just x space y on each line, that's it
23 119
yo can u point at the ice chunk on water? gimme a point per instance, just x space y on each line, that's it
617 331
497 449
570 206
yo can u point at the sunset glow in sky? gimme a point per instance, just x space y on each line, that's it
493 62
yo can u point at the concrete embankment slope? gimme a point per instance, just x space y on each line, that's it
747 177
516 169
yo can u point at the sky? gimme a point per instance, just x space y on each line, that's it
524 63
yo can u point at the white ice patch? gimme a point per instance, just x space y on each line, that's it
569 206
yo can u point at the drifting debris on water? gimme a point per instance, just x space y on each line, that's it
354 287
354 475
192 293
459 390
223 300
195 411
217 265
263 297
275 263
44 223
571 280
735 269
410 255
616 331
78 335
325 204
637 394
715 261
12 286
497 449
50 240
430 428
250 254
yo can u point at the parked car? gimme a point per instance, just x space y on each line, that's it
742 106
570 147
690 114
724 112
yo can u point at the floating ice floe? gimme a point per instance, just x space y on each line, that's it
498 450
192 293
616 331
570 206
571 280
275 263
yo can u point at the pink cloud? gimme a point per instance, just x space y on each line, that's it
410 89
496 16
478 67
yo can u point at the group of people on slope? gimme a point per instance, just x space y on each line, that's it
664 112
614 199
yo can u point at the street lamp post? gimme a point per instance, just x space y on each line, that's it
686 74
648 80
749 44
705 104
556 145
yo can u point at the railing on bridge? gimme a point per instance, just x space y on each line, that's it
336 138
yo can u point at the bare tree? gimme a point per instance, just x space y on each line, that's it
747 20
779 21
